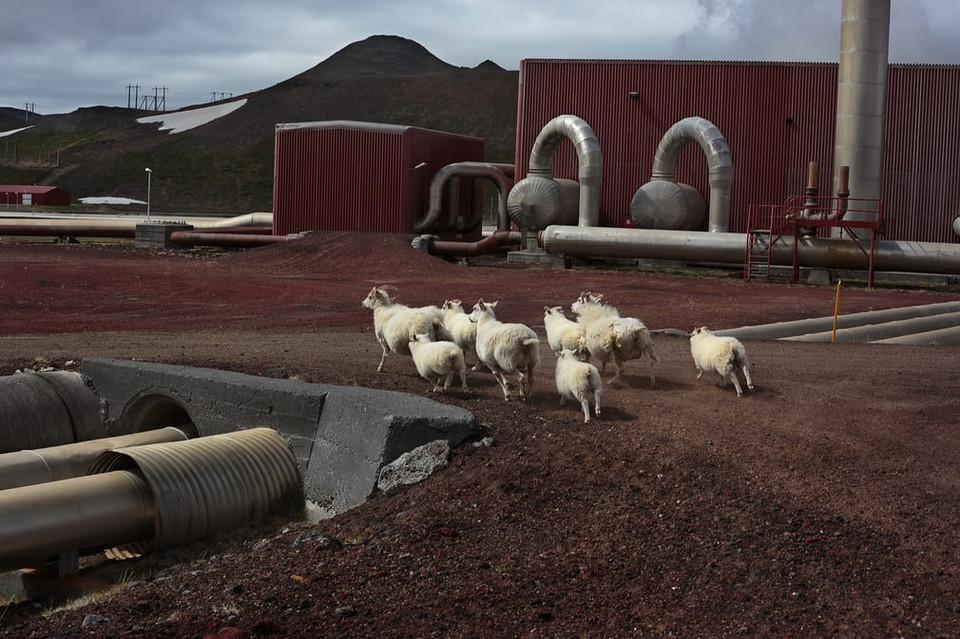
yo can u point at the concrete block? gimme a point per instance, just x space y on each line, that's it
157 234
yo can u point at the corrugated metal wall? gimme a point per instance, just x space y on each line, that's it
776 118
354 176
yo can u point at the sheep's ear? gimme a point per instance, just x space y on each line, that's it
494 303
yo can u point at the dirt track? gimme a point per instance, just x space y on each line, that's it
825 503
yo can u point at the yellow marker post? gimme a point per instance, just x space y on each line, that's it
836 308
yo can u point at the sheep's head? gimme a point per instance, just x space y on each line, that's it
586 299
552 310
700 330
483 308
420 337
378 296
451 305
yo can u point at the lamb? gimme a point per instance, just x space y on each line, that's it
507 349
462 330
721 354
396 324
436 361
562 332
577 380
609 337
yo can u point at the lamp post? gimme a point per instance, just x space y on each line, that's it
149 174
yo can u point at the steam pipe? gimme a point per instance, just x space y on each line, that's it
590 160
719 162
489 244
465 169
95 511
159 495
41 465
889 255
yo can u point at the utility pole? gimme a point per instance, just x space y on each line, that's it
136 94
28 108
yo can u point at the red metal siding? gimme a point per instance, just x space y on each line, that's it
13 194
341 176
776 118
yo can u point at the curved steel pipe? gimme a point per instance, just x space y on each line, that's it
465 169
41 465
577 131
719 163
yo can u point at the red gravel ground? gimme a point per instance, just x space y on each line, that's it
823 504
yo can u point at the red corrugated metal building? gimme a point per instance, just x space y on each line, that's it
776 118
359 176
22 195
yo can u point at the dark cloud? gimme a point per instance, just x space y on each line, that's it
63 54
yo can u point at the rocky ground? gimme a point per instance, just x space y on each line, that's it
822 504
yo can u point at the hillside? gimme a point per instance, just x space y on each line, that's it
227 165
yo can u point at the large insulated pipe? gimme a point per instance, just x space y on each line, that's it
889 255
861 98
486 170
242 240
96 511
779 330
577 131
155 496
50 408
41 465
719 164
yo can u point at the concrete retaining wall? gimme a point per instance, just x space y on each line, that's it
341 436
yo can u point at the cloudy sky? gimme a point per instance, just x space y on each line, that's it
59 55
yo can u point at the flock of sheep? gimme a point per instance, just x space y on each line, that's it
439 337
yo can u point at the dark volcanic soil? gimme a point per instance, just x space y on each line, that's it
823 504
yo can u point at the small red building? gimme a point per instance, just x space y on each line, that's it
343 175
22 195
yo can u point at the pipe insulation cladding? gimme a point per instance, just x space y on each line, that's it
728 248
153 497
40 465
589 159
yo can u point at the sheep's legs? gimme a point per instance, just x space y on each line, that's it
746 374
585 405
732 375
383 357
596 402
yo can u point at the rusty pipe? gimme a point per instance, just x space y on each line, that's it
489 244
41 465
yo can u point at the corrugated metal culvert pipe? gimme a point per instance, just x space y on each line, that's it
155 496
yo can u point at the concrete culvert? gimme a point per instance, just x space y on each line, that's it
156 410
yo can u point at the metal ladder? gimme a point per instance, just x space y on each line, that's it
758 255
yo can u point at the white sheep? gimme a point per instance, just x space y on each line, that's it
507 349
396 324
609 337
562 332
457 322
721 354
438 361
577 380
